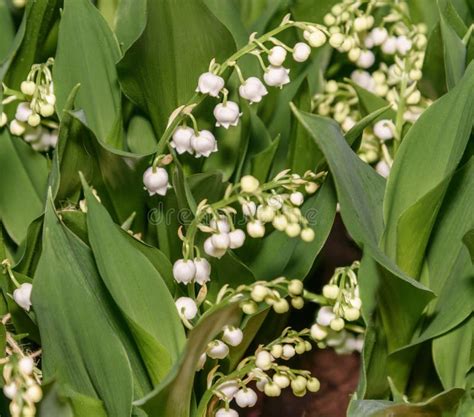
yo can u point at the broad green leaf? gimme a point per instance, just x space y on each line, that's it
140 137
360 193
90 358
86 55
23 185
130 21
454 53
436 406
29 251
172 398
306 11
54 403
468 240
434 144
108 9
369 102
116 175
138 290
173 50
452 354
7 31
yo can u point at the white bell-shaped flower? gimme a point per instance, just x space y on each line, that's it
181 140
288 351
233 336
221 224
325 316
253 90
246 397
211 250
17 128
228 389
184 271
403 45
217 349
28 88
301 52
366 59
210 83
384 129
203 271
220 241
379 35
383 169
276 76
249 208
318 332
389 47
22 296
264 360
156 181
23 111
204 143
10 390
237 238
26 365
187 307
227 114
363 79
277 56
229 412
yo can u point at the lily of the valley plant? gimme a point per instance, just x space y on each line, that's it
170 171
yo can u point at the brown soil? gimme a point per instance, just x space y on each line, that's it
338 373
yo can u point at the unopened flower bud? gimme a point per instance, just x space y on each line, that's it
233 336
34 394
337 324
281 380
351 314
10 390
46 109
366 59
295 287
318 333
331 291
336 40
3 119
293 229
249 307
28 88
186 307
264 360
307 234
298 384
288 352
403 45
259 292
211 250
313 385
379 35
384 129
277 56
217 350
249 208
297 198
297 303
325 316
236 238
34 119
272 389
26 365
265 214
281 306
316 38
276 351
249 184
389 47
301 52
280 222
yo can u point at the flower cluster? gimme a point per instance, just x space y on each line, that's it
399 46
21 385
342 308
202 143
269 377
32 117
276 202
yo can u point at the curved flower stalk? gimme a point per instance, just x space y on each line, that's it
335 321
264 367
21 378
399 46
276 202
33 114
201 143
